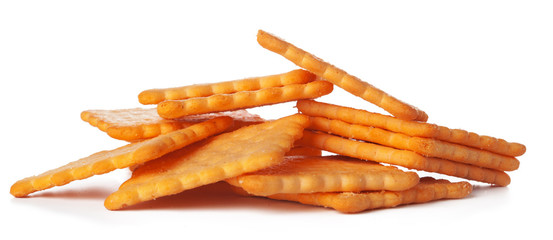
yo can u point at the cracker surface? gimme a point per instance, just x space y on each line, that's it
410 128
246 99
125 156
142 123
429 189
324 174
225 156
155 96
340 78
404 158
425 146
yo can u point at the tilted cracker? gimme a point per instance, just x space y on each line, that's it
155 96
125 156
411 128
225 102
142 123
225 156
340 78
324 174
405 158
427 190
425 146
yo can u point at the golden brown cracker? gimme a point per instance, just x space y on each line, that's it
324 174
427 190
304 151
411 128
225 156
425 146
155 96
142 123
405 158
125 156
340 78
225 102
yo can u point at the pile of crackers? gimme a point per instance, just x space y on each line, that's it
339 157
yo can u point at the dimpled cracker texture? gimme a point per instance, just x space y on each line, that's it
425 146
125 156
225 156
324 174
404 158
155 96
410 128
142 123
246 99
429 189
340 78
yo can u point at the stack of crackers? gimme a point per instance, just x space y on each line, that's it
348 159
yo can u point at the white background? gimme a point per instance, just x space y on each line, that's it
483 66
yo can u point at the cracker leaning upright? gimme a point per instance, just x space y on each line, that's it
225 156
340 78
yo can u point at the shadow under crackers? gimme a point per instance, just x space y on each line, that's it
219 196
87 193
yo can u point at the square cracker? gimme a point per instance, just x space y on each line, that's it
340 77
410 128
125 156
155 96
409 159
428 189
324 174
171 109
142 123
228 155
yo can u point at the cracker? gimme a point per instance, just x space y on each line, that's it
324 174
424 146
411 128
304 151
405 158
155 96
142 123
340 78
225 156
125 156
427 190
225 102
